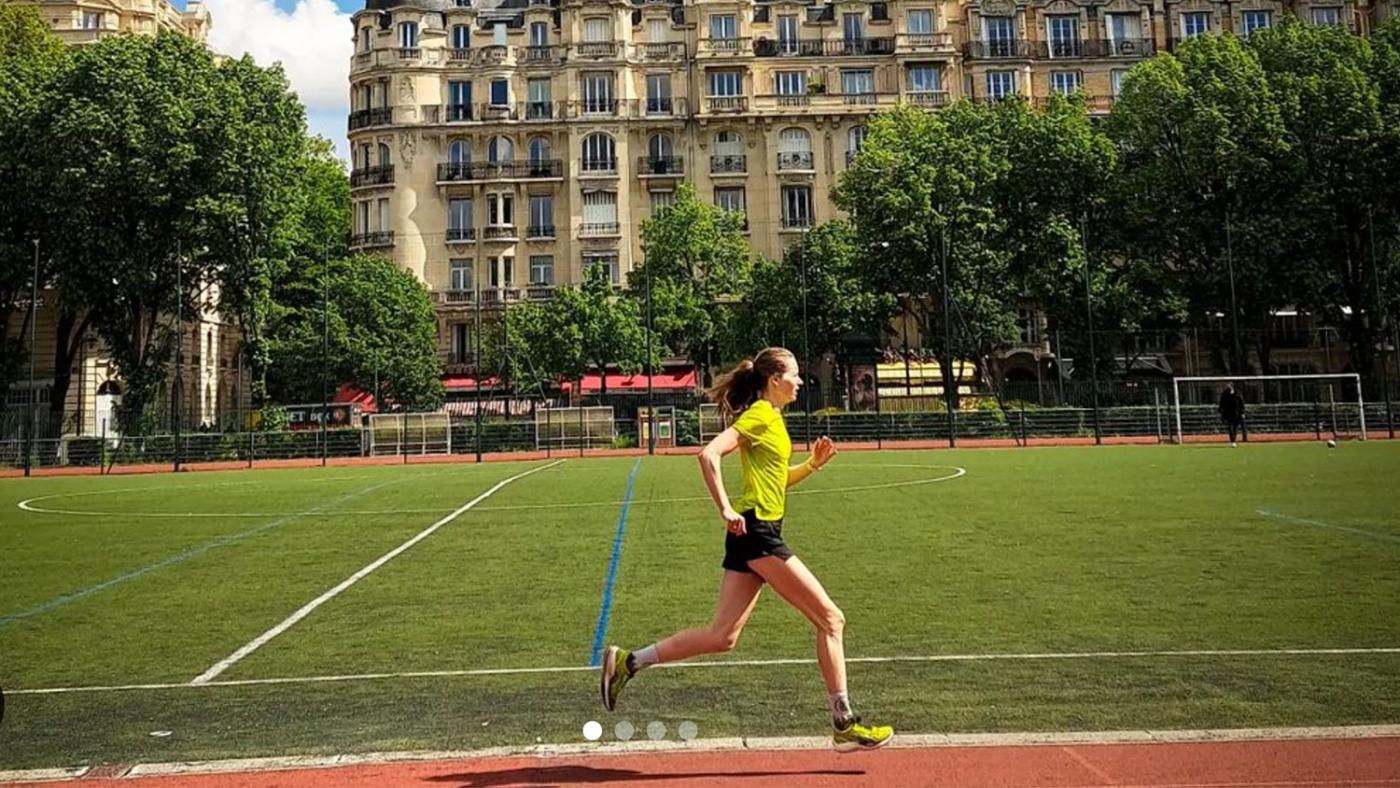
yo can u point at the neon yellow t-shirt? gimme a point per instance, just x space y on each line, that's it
764 454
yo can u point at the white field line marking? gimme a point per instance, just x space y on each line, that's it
957 472
27 505
253 645
1320 524
734 743
1289 652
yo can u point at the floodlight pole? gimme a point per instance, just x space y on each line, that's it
33 329
1093 353
806 348
1238 350
651 369
179 344
476 367
1381 318
325 349
950 374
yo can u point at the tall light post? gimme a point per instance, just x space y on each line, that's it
651 369
179 344
325 351
1089 307
1237 349
806 348
950 374
33 328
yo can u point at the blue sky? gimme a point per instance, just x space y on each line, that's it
312 39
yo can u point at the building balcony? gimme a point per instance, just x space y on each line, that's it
540 55
374 240
1018 49
459 235
660 166
727 103
598 50
796 160
500 233
457 113
541 110
365 118
924 42
536 292
539 232
598 166
372 176
992 101
824 47
595 108
599 230
792 100
493 55
1092 48
1094 104
497 296
724 47
410 53
514 170
827 102
797 222
927 98
456 296
659 53
459 56
729 165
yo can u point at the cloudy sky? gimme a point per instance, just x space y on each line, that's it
312 40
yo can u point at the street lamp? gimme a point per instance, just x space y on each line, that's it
651 369
806 350
33 329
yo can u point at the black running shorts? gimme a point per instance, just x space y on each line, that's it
761 538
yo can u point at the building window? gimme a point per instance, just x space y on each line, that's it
600 209
1125 34
461 37
1065 82
794 149
730 198
1000 84
541 216
726 83
362 218
924 78
459 152
723 28
502 271
539 150
461 344
1115 78
790 83
788 32
500 209
500 150
539 34
853 29
597 29
858 82
855 138
658 31
661 199
459 275
659 147
540 99
1063 34
542 270
1255 20
999 35
498 34
599 153
658 94
92 20
408 35
1195 23
384 224
385 158
797 206
459 100
1327 16
597 92
921 22
608 260
500 92
366 39
459 219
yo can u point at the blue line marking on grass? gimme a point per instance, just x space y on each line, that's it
64 599
602 629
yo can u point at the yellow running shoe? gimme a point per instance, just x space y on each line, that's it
861 737
615 675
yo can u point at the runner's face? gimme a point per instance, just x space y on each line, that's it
785 386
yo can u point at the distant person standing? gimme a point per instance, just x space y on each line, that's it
1232 411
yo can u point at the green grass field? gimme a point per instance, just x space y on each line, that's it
151 580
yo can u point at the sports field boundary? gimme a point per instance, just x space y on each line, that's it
726 744
535 456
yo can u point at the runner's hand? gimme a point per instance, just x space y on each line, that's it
734 522
822 452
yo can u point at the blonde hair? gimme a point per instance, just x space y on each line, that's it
741 386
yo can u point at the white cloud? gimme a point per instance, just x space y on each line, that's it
313 41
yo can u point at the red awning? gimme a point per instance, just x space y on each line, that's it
460 382
679 380
350 394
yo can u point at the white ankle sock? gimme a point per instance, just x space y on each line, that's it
645 657
840 708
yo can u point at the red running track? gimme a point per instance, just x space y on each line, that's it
1308 763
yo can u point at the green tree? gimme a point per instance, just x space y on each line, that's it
1201 134
381 328
1337 97
583 328
696 257
925 185
29 54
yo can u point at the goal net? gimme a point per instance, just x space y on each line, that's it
1322 407
572 428
410 433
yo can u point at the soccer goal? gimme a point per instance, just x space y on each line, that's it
711 422
572 428
410 433
1317 406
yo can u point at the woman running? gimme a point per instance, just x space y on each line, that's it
754 553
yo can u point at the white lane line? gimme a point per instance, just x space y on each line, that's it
1320 524
258 642
957 472
1289 652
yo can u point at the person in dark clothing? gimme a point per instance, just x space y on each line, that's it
1232 411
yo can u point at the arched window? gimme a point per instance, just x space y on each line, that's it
855 138
383 155
599 153
660 147
459 152
501 149
794 149
539 150
729 143
363 159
